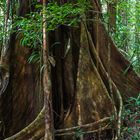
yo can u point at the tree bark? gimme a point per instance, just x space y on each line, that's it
80 78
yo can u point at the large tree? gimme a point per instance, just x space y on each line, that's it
88 83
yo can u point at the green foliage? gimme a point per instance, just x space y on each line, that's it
79 132
35 57
131 119
56 15
67 14
30 27
5 23
126 35
30 30
2 11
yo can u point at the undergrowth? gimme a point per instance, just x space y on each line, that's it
131 119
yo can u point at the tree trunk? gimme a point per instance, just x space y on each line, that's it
111 8
19 104
88 81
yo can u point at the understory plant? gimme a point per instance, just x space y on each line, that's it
131 119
